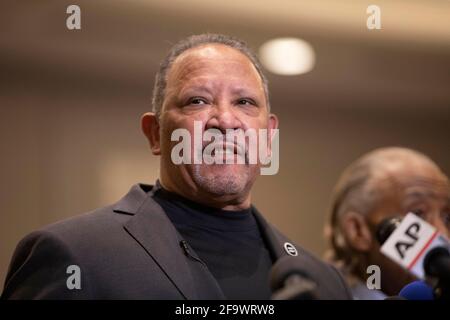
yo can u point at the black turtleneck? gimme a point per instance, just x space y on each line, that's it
228 242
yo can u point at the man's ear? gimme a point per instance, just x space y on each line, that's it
272 126
356 231
150 127
273 121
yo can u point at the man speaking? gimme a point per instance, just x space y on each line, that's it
194 234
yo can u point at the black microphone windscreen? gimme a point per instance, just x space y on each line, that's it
284 268
386 227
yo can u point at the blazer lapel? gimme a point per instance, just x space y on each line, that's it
273 242
151 227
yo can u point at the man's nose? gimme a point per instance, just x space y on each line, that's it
223 116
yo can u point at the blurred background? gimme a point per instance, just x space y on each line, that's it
71 100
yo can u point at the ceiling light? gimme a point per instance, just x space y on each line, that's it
287 56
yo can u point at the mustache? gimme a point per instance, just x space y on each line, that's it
235 148
227 147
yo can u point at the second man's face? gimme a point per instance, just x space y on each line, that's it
422 190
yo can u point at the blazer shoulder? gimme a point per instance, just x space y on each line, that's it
39 269
92 225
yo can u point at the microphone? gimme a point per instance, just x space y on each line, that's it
386 228
418 247
437 264
289 281
417 290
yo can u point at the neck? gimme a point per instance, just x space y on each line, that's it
230 202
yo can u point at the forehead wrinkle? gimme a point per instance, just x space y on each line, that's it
421 189
421 195
424 198
186 74
402 185
211 85
199 61
421 182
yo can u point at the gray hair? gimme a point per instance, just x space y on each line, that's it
356 192
196 41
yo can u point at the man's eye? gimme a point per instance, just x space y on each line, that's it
197 101
446 219
245 102
419 212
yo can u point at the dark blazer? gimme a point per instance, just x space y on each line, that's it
130 250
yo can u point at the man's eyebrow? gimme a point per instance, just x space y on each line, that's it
421 194
244 91
196 88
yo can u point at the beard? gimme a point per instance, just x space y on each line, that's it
221 180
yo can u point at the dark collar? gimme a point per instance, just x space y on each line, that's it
154 232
